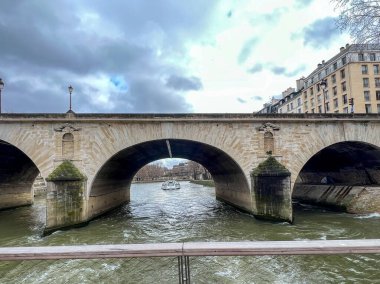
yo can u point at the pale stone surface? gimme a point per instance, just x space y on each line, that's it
97 138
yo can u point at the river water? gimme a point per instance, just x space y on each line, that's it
186 215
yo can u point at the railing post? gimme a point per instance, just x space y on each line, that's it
184 269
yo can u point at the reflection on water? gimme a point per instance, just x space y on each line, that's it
191 214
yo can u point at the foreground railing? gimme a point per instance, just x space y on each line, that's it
170 251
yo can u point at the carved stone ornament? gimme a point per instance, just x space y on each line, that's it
67 128
268 127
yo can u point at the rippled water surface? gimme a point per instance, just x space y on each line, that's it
189 214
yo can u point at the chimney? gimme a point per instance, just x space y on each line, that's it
342 48
319 65
323 62
347 45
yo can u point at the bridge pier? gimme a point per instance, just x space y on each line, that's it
271 191
66 203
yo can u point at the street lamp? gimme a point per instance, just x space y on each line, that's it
1 88
70 92
323 86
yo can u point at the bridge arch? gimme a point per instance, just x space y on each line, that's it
17 174
110 186
341 175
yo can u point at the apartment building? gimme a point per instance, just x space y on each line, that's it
291 101
352 75
348 82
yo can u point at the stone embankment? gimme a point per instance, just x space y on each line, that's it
352 199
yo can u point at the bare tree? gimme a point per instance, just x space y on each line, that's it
361 18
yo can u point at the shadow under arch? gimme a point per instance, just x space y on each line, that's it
337 173
17 175
111 185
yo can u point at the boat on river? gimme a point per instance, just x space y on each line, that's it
170 184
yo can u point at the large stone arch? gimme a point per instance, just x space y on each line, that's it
318 136
344 175
110 186
17 174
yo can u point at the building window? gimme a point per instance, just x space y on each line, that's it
377 82
327 95
327 106
344 60
367 96
320 109
368 108
345 110
312 110
372 56
364 69
68 145
378 108
291 106
365 82
344 99
299 110
318 87
342 74
312 102
344 87
335 103
319 99
305 105
288 107
335 66
305 95
361 57
311 91
333 79
378 95
335 92
299 101
376 69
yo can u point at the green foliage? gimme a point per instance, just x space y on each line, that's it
270 167
66 172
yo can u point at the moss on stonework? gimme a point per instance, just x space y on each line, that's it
66 172
270 167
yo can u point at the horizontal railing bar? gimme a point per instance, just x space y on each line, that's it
319 247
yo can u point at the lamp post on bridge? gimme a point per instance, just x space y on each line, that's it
323 86
1 88
71 89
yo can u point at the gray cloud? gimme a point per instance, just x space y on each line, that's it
280 70
303 3
247 50
46 47
256 68
320 33
269 18
257 98
242 101
183 83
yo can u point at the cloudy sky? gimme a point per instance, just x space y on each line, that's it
159 55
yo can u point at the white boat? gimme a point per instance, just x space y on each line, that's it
170 184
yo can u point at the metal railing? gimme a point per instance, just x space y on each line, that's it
175 267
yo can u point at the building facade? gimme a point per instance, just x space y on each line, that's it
348 82
352 76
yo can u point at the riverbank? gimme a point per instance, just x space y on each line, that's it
209 183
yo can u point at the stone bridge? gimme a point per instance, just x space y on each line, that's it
91 159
